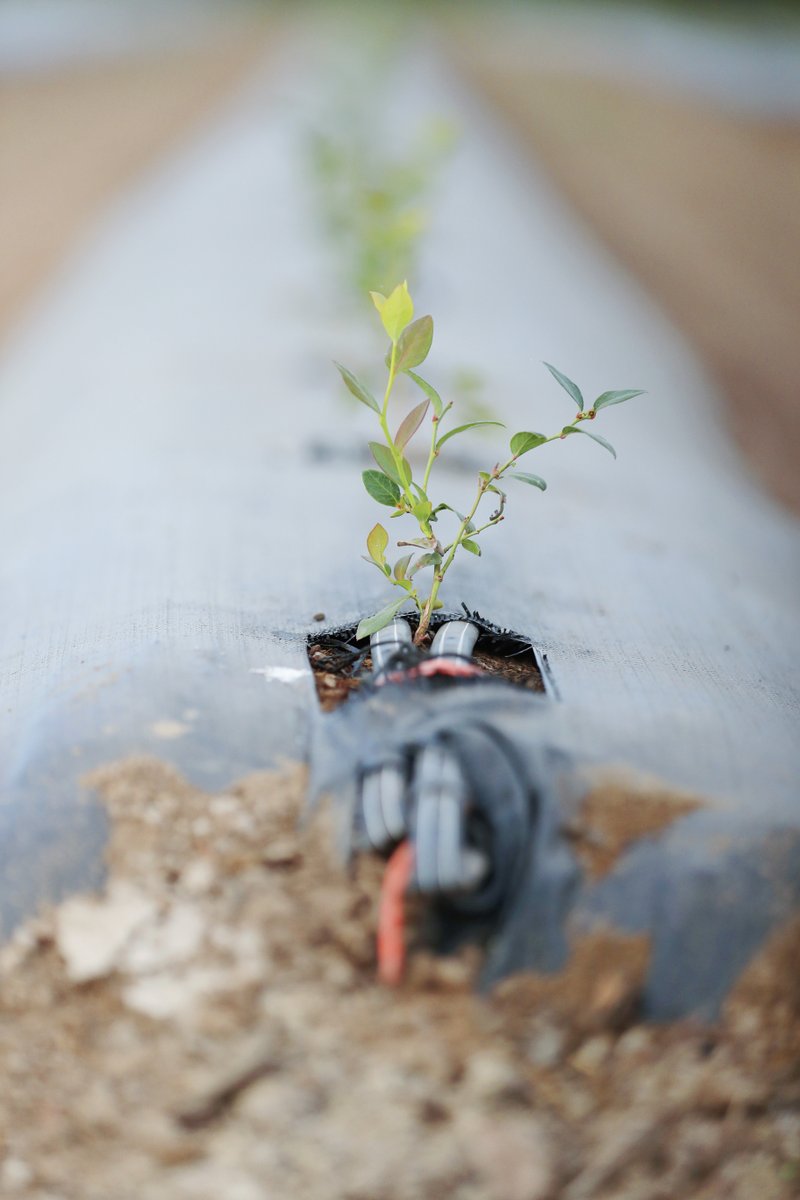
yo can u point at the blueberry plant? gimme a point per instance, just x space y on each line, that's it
429 554
373 205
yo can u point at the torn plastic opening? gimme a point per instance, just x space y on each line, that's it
485 782
455 790
342 665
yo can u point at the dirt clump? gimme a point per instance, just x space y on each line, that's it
618 809
209 1026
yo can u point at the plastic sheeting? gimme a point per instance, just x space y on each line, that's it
170 527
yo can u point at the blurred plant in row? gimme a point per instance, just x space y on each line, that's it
430 554
374 203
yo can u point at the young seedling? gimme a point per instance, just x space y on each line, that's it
373 205
429 554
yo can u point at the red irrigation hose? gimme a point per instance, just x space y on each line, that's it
454 667
391 915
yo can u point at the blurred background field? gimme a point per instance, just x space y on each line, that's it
90 95
673 128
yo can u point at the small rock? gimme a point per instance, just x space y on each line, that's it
634 1043
491 1076
223 806
198 876
612 999
546 1046
172 995
242 942
15 1174
92 932
282 852
591 1056
174 940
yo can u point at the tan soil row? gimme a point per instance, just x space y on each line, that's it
703 205
73 139
211 1027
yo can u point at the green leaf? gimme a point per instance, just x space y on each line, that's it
385 460
422 511
526 477
594 436
473 547
410 425
425 560
430 392
371 625
601 440
396 310
414 344
461 516
378 566
571 388
460 429
384 490
357 388
521 443
492 487
614 398
401 566
377 541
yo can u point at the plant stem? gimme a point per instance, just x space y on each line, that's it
488 525
396 454
388 392
427 611
431 455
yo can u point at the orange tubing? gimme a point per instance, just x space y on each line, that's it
391 915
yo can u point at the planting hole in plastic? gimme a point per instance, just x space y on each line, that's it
340 662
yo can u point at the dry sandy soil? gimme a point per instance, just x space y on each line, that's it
703 205
210 1026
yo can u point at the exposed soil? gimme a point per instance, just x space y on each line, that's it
702 204
340 664
336 676
210 1027
619 808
